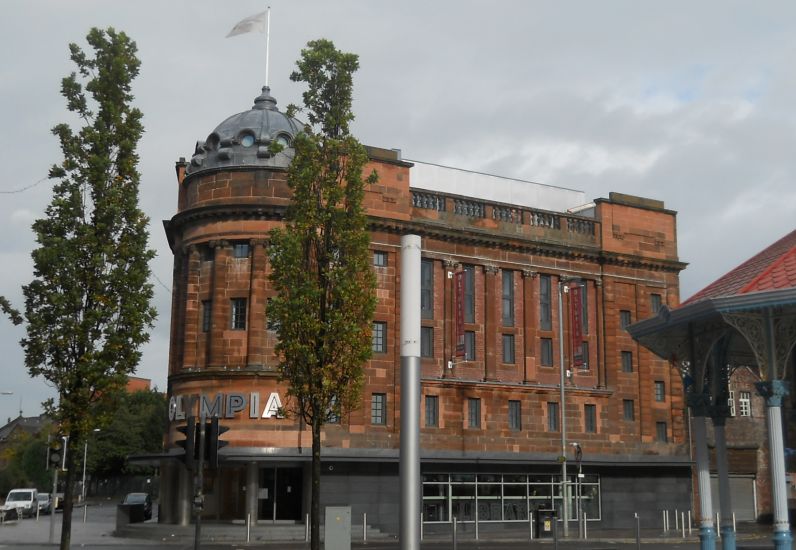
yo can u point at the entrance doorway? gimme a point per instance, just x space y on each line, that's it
280 493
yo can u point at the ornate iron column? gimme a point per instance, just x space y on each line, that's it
699 408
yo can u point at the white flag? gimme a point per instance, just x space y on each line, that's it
253 23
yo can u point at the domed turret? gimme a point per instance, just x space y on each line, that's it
243 140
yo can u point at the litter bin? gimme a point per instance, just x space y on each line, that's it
545 523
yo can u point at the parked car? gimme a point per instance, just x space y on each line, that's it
140 498
45 503
24 501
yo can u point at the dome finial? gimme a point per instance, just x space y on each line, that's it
265 100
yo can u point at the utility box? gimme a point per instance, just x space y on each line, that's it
545 523
337 528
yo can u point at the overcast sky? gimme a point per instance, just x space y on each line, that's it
691 103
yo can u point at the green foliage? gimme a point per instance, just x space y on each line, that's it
320 262
88 307
136 428
25 458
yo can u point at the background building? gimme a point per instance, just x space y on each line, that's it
491 426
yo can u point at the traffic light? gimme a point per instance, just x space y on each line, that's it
213 444
54 454
190 443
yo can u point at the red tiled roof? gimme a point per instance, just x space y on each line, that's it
771 269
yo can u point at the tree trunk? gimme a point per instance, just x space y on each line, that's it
315 505
69 482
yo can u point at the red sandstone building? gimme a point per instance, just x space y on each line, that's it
490 419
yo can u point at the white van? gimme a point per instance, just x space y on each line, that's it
25 501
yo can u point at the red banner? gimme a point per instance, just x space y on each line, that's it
576 324
459 304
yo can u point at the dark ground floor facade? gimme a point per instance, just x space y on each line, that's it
491 494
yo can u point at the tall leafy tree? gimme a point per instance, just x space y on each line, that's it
320 263
87 310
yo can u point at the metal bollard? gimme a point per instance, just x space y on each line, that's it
365 527
689 522
453 531
585 526
307 528
682 522
676 521
555 533
85 512
733 522
248 527
638 532
718 527
421 525
530 525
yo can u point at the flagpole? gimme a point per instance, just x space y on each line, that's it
267 42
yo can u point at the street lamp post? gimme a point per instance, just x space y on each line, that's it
562 408
85 455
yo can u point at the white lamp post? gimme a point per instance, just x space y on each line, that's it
85 455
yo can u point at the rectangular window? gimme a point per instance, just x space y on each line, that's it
379 337
515 416
745 403
545 303
660 391
469 293
432 411
379 258
508 349
426 342
584 311
552 417
660 432
590 418
378 409
731 403
469 345
270 322
238 314
655 303
427 289
625 320
206 253
627 361
585 351
628 407
240 250
508 298
333 417
207 315
473 412
547 352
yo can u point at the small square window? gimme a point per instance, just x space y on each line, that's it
625 320
379 258
432 411
515 416
469 345
627 361
238 314
205 253
240 250
378 409
508 349
590 418
628 408
332 417
655 303
207 315
473 412
552 417
584 349
547 352
660 391
745 403
379 337
731 403
426 342
661 432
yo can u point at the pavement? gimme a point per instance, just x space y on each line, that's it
99 531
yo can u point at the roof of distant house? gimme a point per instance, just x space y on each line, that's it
29 424
774 268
